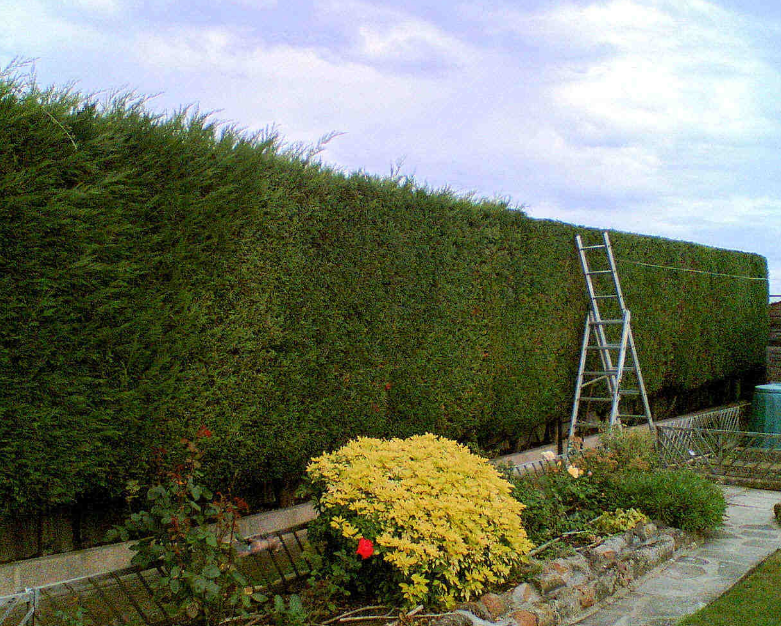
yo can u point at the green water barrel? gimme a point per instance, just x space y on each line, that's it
766 411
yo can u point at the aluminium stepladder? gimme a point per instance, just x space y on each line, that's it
609 370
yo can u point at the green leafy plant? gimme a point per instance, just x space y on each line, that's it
558 502
620 474
290 612
619 521
421 519
189 532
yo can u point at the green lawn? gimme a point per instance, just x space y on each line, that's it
754 601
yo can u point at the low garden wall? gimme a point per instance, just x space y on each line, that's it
561 589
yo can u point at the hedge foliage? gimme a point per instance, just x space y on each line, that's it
158 274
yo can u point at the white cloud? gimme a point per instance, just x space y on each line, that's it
252 4
33 27
385 35
308 90
649 70
100 7
409 41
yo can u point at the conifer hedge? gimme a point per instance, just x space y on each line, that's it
158 274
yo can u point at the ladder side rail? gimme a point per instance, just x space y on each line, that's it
614 270
640 381
625 330
587 275
581 368
604 355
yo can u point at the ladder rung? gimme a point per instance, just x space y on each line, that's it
610 372
614 295
629 392
593 247
606 322
596 399
600 272
607 346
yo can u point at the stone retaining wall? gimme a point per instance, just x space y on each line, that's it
559 590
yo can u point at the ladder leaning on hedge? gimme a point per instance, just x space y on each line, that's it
608 349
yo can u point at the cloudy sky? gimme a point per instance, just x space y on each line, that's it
651 116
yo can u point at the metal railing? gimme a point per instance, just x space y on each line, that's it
270 561
727 417
740 457
713 444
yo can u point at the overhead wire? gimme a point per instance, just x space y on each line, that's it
686 269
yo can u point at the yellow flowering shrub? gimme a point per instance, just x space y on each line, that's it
422 518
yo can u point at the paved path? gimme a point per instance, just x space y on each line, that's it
696 577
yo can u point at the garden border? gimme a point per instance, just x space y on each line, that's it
270 538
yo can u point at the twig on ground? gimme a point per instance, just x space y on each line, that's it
364 618
255 617
547 544
339 618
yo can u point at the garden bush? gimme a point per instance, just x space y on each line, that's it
622 473
188 533
618 521
630 449
678 498
420 518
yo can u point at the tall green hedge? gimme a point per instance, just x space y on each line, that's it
159 274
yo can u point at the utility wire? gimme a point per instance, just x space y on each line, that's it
686 269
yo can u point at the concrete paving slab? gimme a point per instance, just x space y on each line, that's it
695 578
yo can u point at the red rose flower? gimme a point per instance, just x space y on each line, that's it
365 548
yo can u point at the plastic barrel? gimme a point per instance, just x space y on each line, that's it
766 409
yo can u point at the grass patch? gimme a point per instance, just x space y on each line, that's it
752 602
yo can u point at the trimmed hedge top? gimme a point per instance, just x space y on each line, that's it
159 274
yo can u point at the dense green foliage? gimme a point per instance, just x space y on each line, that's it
679 498
158 274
